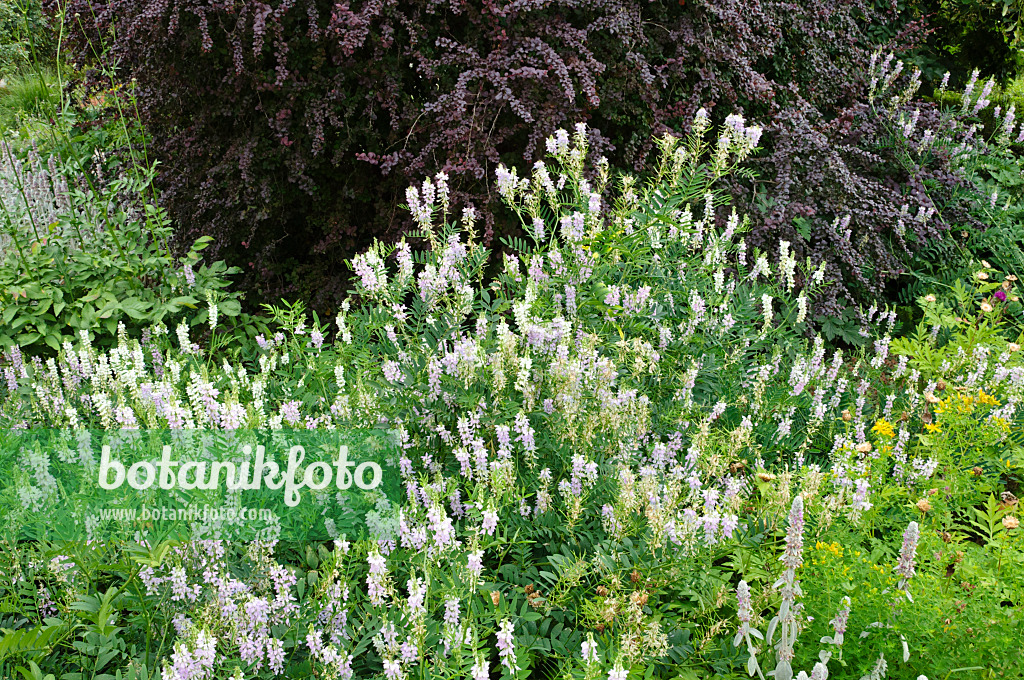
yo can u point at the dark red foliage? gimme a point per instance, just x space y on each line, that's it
855 165
289 129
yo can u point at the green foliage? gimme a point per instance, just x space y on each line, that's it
989 234
27 94
14 53
962 35
614 427
100 262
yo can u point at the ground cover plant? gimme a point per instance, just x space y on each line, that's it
622 457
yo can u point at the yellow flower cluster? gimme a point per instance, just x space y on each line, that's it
823 551
964 403
883 428
832 547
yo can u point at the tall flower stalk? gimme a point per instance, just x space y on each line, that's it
785 621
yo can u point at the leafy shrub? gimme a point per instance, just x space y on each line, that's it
899 196
971 34
939 36
289 131
12 52
28 56
20 22
865 191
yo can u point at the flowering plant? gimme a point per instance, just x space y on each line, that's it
596 444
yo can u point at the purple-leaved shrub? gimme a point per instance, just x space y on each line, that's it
289 130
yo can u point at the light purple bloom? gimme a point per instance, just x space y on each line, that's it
490 522
905 566
506 646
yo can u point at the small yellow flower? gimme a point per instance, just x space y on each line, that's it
933 428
